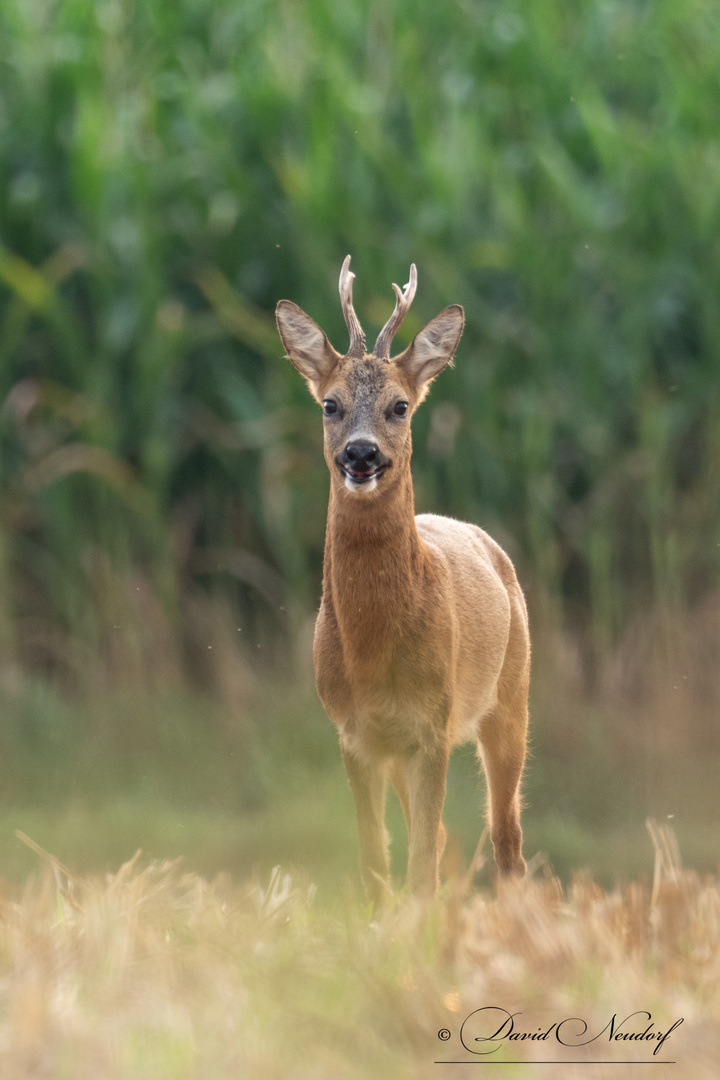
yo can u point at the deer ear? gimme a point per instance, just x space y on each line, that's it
433 347
306 344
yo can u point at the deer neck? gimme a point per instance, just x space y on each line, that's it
373 556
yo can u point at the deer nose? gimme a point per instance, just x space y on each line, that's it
361 456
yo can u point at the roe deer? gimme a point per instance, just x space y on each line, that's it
421 642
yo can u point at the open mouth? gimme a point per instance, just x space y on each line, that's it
361 477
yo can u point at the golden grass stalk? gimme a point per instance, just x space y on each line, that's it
153 972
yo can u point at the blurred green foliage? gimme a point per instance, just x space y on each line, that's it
169 170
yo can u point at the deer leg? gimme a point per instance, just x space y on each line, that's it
368 782
399 782
502 749
426 776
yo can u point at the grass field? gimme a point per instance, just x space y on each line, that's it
242 788
168 171
308 825
153 972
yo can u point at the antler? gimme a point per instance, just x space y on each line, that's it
402 306
357 337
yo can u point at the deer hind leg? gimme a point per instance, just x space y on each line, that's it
368 782
503 735
425 776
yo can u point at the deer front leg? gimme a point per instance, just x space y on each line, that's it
426 777
368 782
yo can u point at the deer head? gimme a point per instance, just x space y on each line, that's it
368 398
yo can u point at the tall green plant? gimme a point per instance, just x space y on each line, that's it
169 170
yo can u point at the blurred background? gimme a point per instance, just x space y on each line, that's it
172 168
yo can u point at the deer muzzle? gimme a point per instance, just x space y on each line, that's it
362 460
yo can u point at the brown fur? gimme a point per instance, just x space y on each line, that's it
421 642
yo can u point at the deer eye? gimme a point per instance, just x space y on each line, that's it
329 407
401 408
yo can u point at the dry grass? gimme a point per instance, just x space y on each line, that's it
155 973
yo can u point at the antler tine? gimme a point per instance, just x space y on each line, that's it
402 305
357 337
